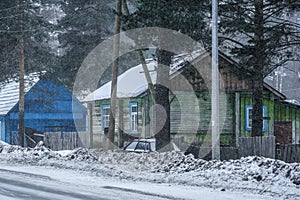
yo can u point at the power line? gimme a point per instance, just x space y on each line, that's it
11 16
26 31
14 7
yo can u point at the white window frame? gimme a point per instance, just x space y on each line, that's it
104 117
133 116
249 121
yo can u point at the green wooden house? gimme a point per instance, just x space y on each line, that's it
191 105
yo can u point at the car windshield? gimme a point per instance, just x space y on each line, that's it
131 146
140 146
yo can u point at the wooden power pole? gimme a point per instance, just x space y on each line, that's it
215 85
21 128
114 82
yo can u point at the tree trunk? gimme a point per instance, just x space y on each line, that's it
121 124
141 57
257 109
162 111
21 128
257 98
114 82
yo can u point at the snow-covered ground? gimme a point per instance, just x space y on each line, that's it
169 175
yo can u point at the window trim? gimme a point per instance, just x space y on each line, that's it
132 104
106 106
265 124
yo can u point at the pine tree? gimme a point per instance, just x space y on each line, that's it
23 38
260 37
84 26
184 16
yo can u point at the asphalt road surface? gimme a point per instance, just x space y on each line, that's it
22 182
24 185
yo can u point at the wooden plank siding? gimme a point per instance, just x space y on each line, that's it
97 117
192 116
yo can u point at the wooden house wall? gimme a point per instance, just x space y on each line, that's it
197 77
191 116
185 119
188 107
97 124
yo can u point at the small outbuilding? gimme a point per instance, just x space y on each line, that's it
49 107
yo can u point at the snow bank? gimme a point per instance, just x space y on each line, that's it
40 153
244 169
137 161
254 173
81 154
18 154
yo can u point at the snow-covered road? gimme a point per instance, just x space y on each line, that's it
40 182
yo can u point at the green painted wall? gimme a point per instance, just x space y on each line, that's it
126 104
268 101
184 110
199 111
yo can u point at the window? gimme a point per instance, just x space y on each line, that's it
249 118
133 112
105 109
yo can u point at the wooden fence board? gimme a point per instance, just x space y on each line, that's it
65 140
260 146
289 153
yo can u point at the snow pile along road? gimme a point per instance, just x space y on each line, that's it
258 174
81 154
138 161
249 168
19 154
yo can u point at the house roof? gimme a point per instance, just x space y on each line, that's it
9 93
132 83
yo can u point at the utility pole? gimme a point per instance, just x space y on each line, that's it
147 76
21 122
141 58
114 82
215 84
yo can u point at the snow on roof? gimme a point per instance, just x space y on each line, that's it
293 101
179 61
9 93
131 83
